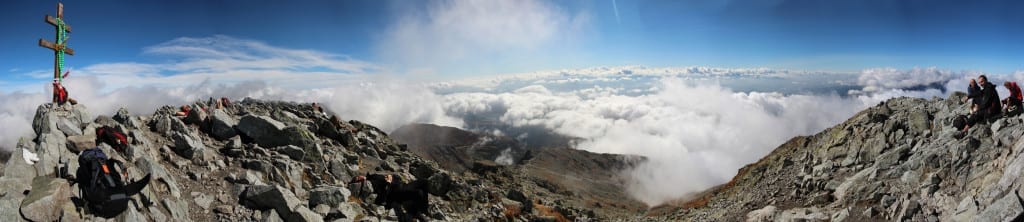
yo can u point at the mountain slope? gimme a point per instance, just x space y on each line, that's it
572 177
257 161
900 160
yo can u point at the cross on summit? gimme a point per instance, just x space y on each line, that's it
59 48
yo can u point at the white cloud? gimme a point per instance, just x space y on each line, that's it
455 33
619 73
696 136
696 132
883 79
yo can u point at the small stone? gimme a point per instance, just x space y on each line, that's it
303 214
224 209
203 201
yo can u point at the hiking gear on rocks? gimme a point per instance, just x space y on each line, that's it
960 121
113 137
102 184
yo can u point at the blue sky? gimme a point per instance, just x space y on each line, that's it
446 39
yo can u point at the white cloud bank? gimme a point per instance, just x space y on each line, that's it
696 134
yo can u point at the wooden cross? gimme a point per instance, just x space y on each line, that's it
60 47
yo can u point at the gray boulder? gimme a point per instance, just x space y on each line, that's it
46 200
125 119
68 127
178 209
44 120
122 116
161 124
294 152
303 214
196 117
9 209
919 120
1005 209
299 136
268 132
222 125
77 144
80 114
330 130
49 150
329 195
186 146
16 167
440 184
264 197
260 128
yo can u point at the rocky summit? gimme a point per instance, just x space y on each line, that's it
898 161
282 161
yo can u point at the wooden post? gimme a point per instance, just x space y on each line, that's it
60 47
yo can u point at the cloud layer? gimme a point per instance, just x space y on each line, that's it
696 132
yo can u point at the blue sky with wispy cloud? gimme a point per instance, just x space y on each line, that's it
456 39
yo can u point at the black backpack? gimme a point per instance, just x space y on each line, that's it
960 121
102 185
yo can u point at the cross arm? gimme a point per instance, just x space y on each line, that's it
53 21
50 45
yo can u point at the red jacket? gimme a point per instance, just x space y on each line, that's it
1015 91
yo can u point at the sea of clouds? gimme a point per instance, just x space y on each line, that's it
697 126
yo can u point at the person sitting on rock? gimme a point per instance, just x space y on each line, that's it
988 103
318 109
185 109
223 102
1012 104
60 94
973 92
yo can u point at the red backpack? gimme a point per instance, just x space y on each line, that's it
112 137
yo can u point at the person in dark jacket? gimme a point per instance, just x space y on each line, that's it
987 101
973 92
